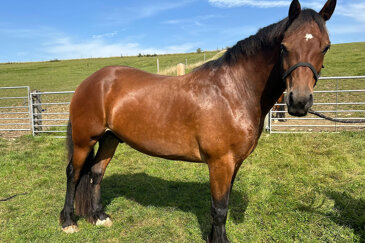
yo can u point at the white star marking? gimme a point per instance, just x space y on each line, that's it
308 37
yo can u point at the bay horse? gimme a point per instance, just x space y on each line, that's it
213 115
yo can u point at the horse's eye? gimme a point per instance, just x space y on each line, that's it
283 48
325 50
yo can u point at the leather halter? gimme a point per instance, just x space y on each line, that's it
303 64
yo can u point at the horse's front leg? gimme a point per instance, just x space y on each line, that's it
222 172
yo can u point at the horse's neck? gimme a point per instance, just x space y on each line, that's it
261 75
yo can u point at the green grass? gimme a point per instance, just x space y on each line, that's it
303 188
345 60
68 74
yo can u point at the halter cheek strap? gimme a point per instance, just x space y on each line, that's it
303 64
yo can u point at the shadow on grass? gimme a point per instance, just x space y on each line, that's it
186 196
349 212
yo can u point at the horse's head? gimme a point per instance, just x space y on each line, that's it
303 48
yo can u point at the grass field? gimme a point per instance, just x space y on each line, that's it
68 74
303 188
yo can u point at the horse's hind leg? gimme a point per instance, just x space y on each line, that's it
96 215
79 156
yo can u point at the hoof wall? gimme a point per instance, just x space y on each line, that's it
106 222
70 229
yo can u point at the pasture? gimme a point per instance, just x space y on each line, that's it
307 187
60 75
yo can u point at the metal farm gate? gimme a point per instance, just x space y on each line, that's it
15 118
50 112
23 112
338 100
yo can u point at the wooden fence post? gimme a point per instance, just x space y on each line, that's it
158 66
180 69
36 112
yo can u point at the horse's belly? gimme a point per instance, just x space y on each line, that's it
156 137
168 148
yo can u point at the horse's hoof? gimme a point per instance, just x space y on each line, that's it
70 229
106 222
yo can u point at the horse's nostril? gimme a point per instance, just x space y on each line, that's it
310 101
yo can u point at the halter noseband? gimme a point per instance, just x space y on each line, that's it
303 64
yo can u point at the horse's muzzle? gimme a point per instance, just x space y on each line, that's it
299 105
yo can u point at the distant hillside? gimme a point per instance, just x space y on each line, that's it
55 75
345 59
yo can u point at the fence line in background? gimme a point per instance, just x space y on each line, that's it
54 112
15 108
22 110
335 108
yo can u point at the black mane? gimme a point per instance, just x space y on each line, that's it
266 38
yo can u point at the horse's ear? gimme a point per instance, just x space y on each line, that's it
328 9
294 10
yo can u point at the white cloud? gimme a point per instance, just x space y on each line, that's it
264 4
252 3
139 11
315 4
352 10
66 48
194 20
105 35
47 44
151 10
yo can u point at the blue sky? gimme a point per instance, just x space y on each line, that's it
41 30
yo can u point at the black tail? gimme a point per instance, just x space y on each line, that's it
69 143
83 196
